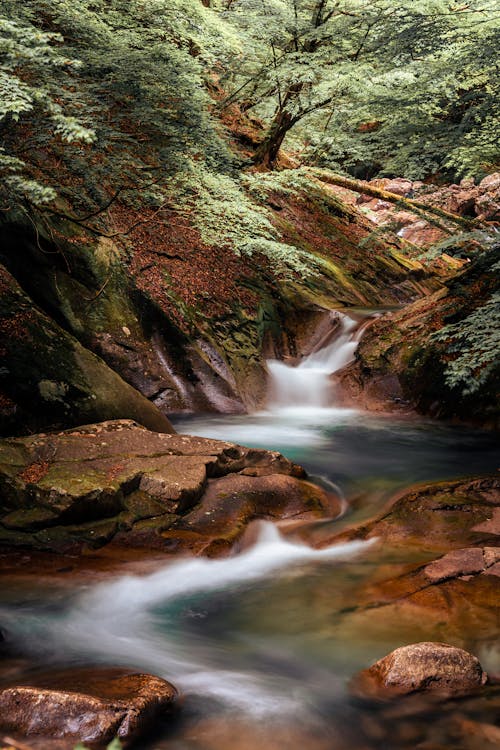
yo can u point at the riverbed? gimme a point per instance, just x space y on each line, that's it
263 644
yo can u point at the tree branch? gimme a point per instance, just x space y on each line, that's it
417 207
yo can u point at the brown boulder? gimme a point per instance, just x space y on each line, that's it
87 705
422 667
232 502
118 481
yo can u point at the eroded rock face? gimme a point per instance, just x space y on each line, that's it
438 517
117 480
401 365
88 705
48 378
426 666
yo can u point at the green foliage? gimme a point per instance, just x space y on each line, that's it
32 71
138 72
128 70
226 216
108 98
473 346
463 245
113 745
407 88
432 107
286 182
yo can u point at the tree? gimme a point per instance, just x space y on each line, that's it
104 97
436 114
317 61
33 74
120 113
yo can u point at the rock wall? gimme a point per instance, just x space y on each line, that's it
400 366
186 326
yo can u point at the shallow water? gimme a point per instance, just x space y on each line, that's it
263 644
361 453
265 639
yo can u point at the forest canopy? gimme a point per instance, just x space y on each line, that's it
128 96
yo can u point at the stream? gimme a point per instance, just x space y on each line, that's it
263 644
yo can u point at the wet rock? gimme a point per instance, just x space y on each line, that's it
87 705
422 667
232 502
461 562
118 481
440 517
399 353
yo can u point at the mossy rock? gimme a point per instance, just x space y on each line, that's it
119 481
52 379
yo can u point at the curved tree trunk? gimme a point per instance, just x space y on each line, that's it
267 152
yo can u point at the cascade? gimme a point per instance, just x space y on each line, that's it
121 620
308 385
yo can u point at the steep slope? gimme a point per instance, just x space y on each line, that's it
187 324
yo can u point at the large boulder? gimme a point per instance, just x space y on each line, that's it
48 379
87 705
117 480
422 667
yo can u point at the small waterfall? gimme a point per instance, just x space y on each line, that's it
308 385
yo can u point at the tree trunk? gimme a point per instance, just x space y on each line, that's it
417 207
267 152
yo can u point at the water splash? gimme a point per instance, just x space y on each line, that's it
133 620
308 385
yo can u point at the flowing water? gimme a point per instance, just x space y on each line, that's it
308 384
263 644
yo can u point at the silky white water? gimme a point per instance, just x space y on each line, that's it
133 620
307 385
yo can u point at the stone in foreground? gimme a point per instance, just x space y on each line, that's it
87 705
117 481
422 667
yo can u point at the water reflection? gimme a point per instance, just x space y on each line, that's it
357 450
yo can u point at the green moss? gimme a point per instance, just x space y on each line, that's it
141 506
29 518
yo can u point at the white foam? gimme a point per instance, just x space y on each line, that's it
308 384
117 621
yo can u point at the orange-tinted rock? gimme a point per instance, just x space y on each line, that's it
117 481
460 562
88 705
439 516
427 666
231 503
402 356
